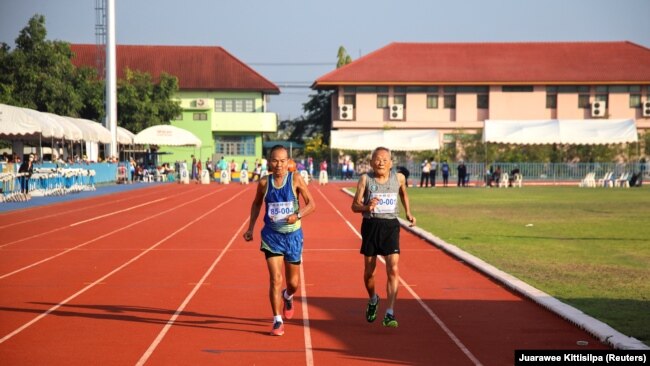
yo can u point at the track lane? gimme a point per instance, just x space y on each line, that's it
83 267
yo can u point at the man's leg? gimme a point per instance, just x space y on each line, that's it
392 284
292 274
274 265
370 263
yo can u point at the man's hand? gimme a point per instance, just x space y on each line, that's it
372 204
248 235
411 219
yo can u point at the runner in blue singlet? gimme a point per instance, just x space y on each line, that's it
282 238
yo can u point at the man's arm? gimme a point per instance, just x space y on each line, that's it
255 208
405 198
302 190
357 202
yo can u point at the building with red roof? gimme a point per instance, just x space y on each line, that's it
457 86
224 101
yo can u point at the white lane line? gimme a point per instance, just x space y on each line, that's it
309 354
37 235
117 212
189 297
59 213
98 238
77 294
433 315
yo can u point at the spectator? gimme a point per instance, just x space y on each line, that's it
462 173
424 177
445 173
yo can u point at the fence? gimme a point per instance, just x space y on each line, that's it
538 172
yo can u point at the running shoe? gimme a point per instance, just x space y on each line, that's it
287 307
389 321
278 329
371 311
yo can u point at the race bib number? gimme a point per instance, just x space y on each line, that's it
387 202
279 211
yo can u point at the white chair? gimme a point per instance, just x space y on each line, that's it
518 180
602 182
503 181
322 177
589 180
305 176
623 180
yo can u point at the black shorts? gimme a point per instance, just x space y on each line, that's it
379 237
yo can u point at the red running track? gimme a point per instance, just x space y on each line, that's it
162 276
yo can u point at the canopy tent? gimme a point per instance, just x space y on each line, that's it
571 132
124 136
397 140
16 122
166 135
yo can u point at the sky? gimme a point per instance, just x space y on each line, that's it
294 42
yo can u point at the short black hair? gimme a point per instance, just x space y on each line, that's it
276 147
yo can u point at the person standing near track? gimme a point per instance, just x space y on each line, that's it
282 238
376 200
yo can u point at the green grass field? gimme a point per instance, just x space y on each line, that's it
588 247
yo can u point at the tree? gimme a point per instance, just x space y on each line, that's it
38 74
343 57
141 104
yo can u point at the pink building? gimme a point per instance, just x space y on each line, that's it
457 86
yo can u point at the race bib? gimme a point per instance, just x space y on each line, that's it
387 202
279 211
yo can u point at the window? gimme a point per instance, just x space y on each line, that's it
202 116
432 101
583 101
483 101
635 100
382 101
399 99
234 105
350 99
602 98
517 88
399 90
234 145
450 101
551 97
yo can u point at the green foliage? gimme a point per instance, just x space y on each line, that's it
141 104
316 147
342 57
39 74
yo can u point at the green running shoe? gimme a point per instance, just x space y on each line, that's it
390 321
371 311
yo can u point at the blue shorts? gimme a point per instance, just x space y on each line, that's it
288 245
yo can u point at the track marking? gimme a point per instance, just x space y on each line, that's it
102 279
41 234
59 213
309 354
117 212
97 238
170 322
426 308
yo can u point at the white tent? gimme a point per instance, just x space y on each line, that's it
398 140
553 131
166 135
124 136
15 121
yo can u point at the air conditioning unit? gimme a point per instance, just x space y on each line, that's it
346 112
396 111
202 103
598 109
645 108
